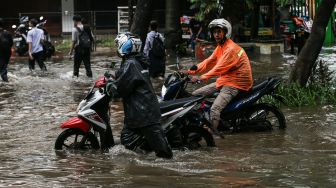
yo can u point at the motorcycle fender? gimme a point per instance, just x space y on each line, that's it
76 123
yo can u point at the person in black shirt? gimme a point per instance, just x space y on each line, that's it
196 28
82 53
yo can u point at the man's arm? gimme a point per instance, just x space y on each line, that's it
206 64
199 31
42 37
223 65
74 41
30 48
147 44
128 80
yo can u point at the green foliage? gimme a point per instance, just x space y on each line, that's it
204 7
106 42
321 74
63 46
312 95
321 89
284 2
181 49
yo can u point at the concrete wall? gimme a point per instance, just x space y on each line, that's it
67 14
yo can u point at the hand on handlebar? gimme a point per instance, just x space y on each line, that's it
195 79
185 72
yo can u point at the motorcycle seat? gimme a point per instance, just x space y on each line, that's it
243 94
255 88
166 106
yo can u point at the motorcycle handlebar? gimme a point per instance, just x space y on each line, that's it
186 77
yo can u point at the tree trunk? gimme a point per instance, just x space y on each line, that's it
255 19
310 51
172 26
141 19
130 14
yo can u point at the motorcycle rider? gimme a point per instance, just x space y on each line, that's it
21 46
24 25
230 64
141 107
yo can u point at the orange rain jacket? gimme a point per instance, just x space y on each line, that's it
230 63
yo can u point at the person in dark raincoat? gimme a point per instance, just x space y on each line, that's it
141 107
6 43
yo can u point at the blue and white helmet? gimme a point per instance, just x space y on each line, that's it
127 44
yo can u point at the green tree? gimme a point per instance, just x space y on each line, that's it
312 48
130 4
210 6
172 26
141 18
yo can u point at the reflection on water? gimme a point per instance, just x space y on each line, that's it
33 106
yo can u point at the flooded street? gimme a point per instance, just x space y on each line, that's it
32 107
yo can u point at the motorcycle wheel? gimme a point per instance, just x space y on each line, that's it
195 137
70 139
265 116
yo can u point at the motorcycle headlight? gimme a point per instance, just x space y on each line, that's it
163 91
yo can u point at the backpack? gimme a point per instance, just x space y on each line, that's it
6 40
84 39
48 49
158 48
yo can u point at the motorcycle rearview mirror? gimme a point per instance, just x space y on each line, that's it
113 63
193 68
109 74
41 18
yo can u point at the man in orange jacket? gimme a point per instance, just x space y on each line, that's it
230 64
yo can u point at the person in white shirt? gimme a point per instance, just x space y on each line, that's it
35 38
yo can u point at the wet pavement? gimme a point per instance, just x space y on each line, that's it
33 105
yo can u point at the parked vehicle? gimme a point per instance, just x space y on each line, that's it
92 122
20 39
245 112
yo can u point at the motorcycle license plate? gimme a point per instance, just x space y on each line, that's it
17 39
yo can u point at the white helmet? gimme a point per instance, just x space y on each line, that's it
127 44
221 23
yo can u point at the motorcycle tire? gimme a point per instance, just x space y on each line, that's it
70 139
194 136
265 116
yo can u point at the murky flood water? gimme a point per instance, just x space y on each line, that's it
32 106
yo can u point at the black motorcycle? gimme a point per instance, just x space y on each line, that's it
20 39
245 112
